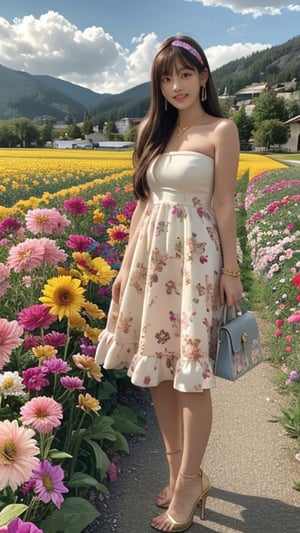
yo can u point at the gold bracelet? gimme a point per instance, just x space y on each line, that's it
230 273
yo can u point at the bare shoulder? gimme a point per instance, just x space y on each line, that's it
225 126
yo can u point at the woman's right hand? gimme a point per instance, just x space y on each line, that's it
118 286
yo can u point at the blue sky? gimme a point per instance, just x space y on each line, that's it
108 45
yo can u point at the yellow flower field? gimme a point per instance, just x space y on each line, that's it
29 178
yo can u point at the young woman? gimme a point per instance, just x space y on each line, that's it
179 268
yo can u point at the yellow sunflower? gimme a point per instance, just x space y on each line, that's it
64 296
96 270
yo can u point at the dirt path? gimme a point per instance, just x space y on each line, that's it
250 461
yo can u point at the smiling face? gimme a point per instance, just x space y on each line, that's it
181 86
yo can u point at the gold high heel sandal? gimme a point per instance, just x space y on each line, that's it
166 492
172 524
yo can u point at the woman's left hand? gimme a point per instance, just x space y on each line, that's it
231 291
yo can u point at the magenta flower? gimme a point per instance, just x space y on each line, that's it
56 365
45 221
55 339
294 374
42 414
128 209
26 255
31 341
108 202
36 316
18 526
9 225
34 378
80 243
278 332
10 338
49 483
76 205
71 383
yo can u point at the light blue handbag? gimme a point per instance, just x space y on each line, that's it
239 346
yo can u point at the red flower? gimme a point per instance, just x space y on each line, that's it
296 280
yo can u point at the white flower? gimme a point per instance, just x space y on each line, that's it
11 384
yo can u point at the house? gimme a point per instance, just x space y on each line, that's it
293 144
245 95
72 144
125 124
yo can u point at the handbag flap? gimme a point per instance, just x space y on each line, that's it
240 329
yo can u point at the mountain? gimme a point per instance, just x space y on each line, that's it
23 94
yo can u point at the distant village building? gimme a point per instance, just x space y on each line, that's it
293 144
125 124
245 96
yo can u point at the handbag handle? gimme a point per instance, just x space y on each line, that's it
229 313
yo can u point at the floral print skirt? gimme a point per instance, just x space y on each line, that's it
166 325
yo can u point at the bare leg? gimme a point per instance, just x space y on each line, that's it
168 412
197 422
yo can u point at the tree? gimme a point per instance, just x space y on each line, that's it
271 132
110 130
244 124
269 106
26 132
74 131
46 131
87 125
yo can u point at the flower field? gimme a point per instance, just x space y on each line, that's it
64 222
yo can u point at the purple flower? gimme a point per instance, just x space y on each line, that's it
294 374
9 225
108 202
56 365
34 378
49 483
72 383
18 526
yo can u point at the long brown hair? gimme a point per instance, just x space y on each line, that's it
159 123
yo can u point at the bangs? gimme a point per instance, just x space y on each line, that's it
174 57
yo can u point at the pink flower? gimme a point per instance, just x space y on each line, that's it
55 339
36 316
288 349
17 451
26 256
56 365
278 333
42 413
76 205
34 378
26 280
45 221
52 253
295 317
71 383
49 483
80 243
289 338
279 322
112 472
10 338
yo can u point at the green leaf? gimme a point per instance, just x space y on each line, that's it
102 461
79 479
74 515
120 444
127 421
101 428
10 512
56 454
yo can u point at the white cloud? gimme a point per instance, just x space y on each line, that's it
221 54
256 8
90 57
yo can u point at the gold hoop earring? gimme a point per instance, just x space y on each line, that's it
203 93
166 105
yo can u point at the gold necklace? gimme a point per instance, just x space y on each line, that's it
183 129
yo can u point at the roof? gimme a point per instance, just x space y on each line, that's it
293 120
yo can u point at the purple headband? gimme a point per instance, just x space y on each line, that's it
189 48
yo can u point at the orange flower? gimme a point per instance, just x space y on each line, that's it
87 403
